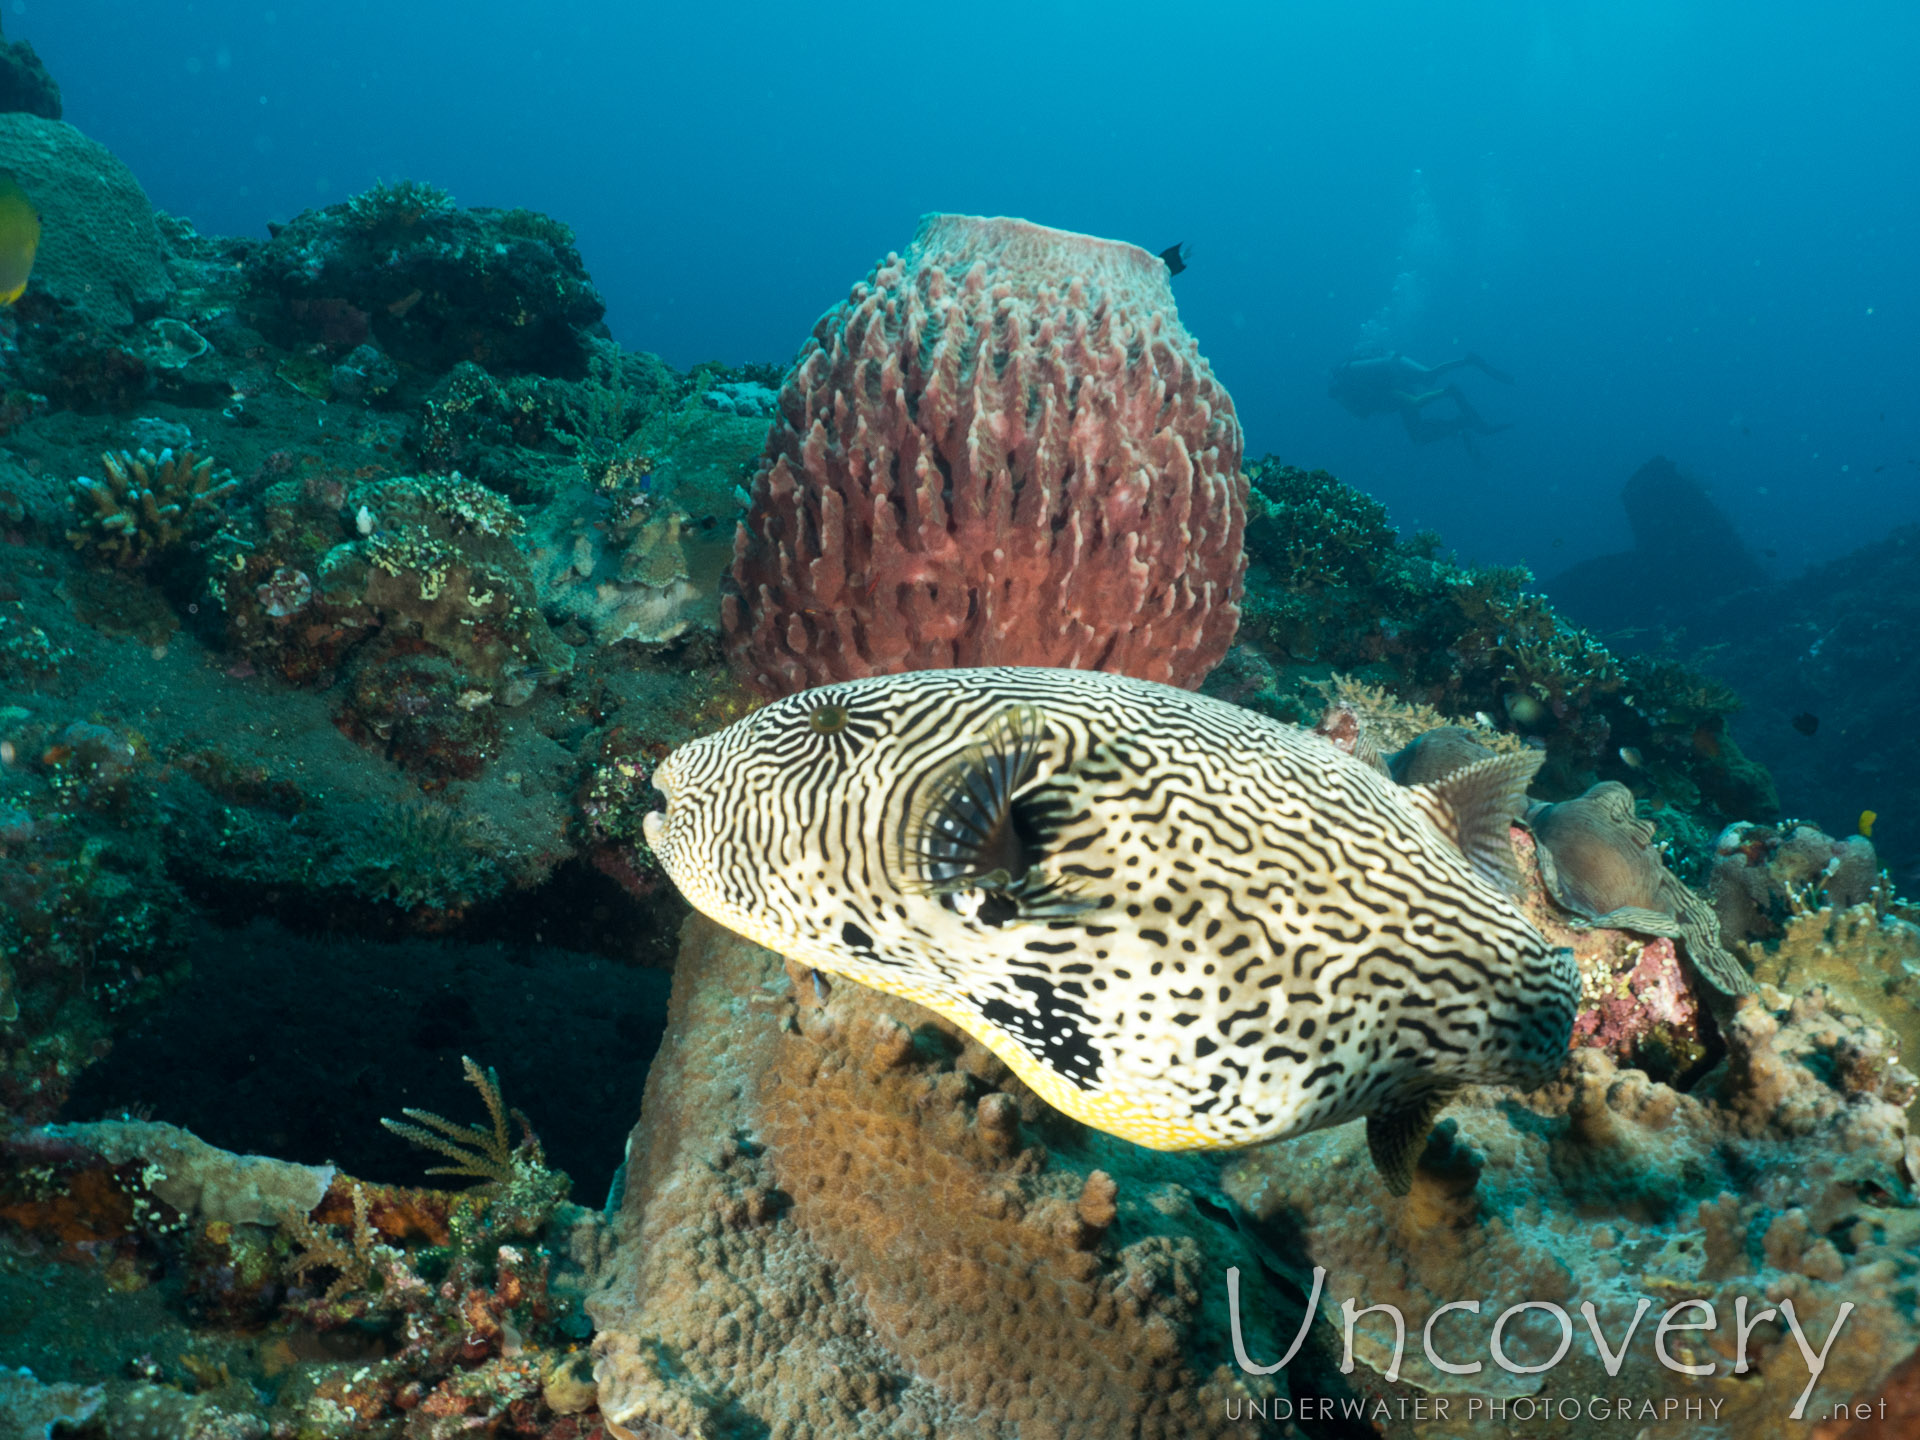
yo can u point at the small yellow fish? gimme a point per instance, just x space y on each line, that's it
1867 817
19 238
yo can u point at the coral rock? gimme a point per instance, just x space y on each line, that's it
100 249
1003 448
199 1179
824 1234
1778 1179
1761 875
31 1410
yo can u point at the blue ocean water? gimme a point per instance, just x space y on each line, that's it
1684 228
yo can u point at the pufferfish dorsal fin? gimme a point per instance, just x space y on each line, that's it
1475 808
1397 1133
963 831
1366 750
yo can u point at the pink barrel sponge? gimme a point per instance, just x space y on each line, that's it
1002 449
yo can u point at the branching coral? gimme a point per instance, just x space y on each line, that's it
147 505
402 204
1313 531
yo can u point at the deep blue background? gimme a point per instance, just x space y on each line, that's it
1687 228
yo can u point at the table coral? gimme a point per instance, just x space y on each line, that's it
1003 448
147 505
842 1219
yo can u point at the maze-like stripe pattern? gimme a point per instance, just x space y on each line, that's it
1251 935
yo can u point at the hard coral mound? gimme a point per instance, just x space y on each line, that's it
101 257
1003 448
840 1220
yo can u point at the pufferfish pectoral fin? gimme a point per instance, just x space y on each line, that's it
1397 1133
966 833
1475 808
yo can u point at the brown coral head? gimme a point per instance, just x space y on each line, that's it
1002 449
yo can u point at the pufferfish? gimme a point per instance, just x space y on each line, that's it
1178 921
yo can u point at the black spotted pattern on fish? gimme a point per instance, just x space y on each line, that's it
1177 920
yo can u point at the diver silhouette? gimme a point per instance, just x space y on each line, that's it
1393 383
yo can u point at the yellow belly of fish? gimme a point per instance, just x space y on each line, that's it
1115 1114
1103 1110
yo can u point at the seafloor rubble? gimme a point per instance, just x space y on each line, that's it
353 581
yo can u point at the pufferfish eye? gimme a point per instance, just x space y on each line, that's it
827 719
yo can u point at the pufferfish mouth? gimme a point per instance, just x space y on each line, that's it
653 828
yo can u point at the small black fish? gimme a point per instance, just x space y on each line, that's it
1176 257
1806 722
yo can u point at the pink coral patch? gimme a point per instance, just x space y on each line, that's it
1649 998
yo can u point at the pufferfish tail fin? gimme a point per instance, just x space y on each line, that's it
1475 809
1397 1132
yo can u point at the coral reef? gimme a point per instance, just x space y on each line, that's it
413 590
1330 584
317 775
387 1311
1826 645
1763 874
431 284
90 924
843 1219
147 505
24 81
100 250
1868 960
617 565
1783 1176
1003 448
